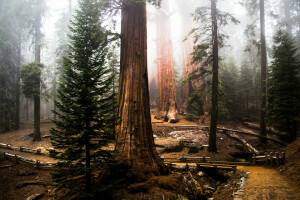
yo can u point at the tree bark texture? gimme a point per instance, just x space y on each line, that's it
36 98
134 134
167 109
215 80
263 70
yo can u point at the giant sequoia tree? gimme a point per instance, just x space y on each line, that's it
167 108
134 135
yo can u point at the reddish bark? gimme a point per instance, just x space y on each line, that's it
134 134
165 67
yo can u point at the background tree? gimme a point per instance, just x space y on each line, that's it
263 51
14 16
86 116
229 104
284 85
208 41
39 7
167 109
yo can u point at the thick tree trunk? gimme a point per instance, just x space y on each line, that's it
134 134
166 77
263 71
215 81
36 98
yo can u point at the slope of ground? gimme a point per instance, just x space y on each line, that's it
292 166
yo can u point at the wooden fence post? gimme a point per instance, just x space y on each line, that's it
266 157
254 159
38 151
271 158
4 155
16 158
283 157
277 158
187 167
21 148
204 159
37 164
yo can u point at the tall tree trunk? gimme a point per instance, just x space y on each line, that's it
36 98
134 134
166 75
88 181
215 81
17 115
54 95
263 71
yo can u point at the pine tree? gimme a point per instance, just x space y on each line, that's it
284 85
85 108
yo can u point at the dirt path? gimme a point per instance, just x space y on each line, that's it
268 184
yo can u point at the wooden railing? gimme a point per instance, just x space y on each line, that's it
38 164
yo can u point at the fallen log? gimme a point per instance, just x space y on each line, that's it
5 166
35 197
26 183
255 135
269 129
246 144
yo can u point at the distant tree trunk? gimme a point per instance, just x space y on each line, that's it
263 71
215 81
134 134
17 116
166 75
187 48
36 98
54 95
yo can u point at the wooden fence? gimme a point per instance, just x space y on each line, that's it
269 158
22 149
38 164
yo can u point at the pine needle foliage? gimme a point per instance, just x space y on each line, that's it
284 85
85 108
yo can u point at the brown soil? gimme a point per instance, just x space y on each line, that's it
19 173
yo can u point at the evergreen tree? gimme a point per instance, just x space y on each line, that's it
229 105
284 85
208 41
85 108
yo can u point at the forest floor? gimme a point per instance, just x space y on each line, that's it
261 182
